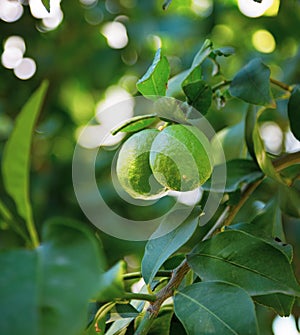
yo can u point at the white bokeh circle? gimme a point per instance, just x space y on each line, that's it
88 190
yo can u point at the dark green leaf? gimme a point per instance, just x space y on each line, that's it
212 308
250 122
225 51
154 82
199 95
268 225
136 123
239 171
174 85
46 3
47 290
111 283
252 84
248 261
294 113
290 199
282 304
158 250
161 325
16 157
125 311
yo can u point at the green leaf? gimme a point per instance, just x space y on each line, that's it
136 123
111 283
212 308
154 82
245 260
16 158
239 171
175 84
199 94
263 160
202 54
268 225
170 109
47 290
250 122
232 141
293 112
46 3
158 250
282 304
252 84
290 199
161 325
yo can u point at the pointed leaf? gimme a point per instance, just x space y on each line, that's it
158 250
240 258
290 199
16 157
212 308
202 54
199 95
111 283
46 3
239 171
252 84
282 304
154 82
294 112
49 293
136 123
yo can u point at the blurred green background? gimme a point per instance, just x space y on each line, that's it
92 51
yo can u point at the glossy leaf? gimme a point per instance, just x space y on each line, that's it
111 283
267 225
212 308
154 82
282 304
233 144
239 171
245 260
199 95
294 112
202 54
136 123
250 122
158 250
52 285
252 84
16 157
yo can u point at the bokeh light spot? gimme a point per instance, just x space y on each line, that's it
15 42
26 69
10 11
251 8
272 136
263 41
116 34
11 57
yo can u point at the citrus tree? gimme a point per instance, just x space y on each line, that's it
221 263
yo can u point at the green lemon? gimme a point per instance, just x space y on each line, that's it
180 158
133 169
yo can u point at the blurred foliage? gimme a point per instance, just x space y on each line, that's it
80 66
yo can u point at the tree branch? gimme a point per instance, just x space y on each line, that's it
226 218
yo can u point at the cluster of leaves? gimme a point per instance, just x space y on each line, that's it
61 285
